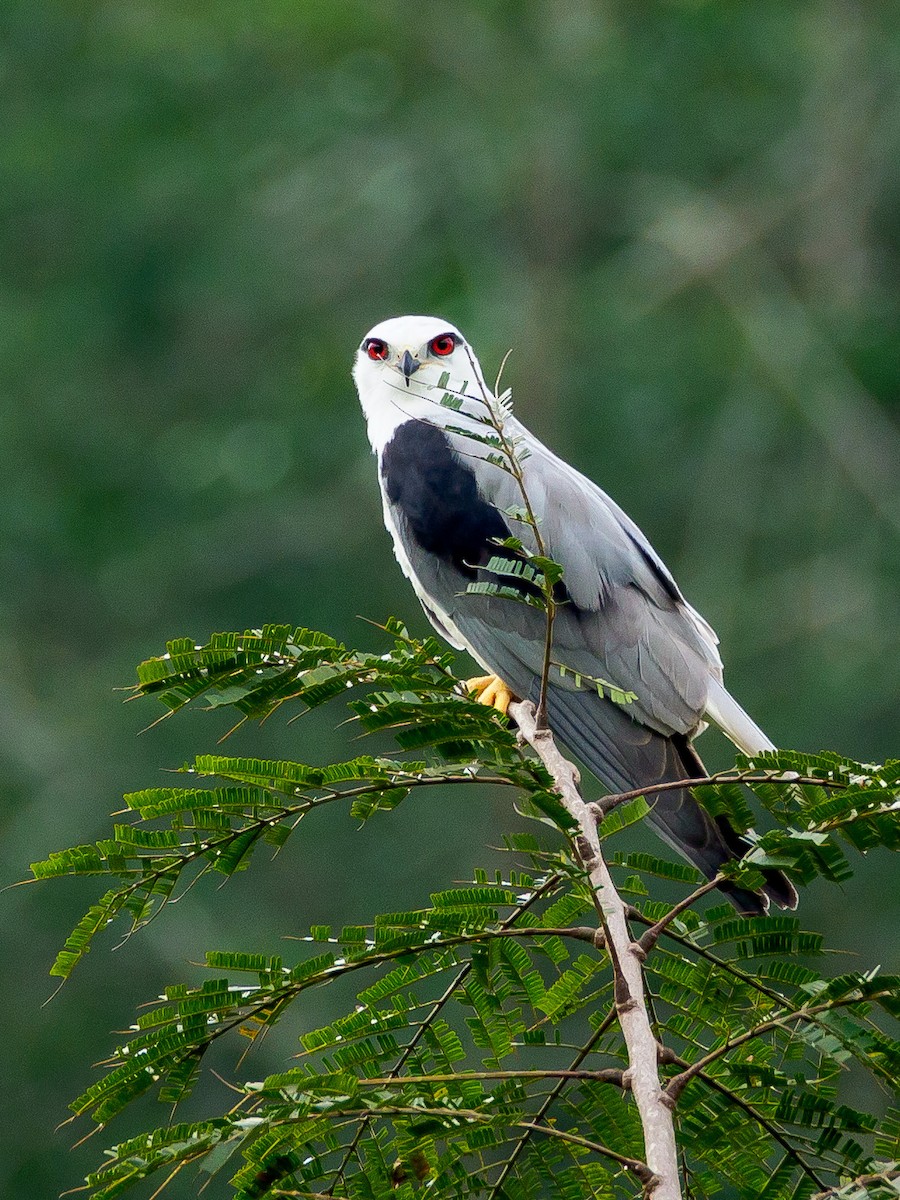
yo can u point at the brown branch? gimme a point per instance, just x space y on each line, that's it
461 1115
607 803
808 1013
550 1099
438 1005
290 991
669 1056
640 1169
889 1176
722 964
604 1075
652 935
653 1103
635 914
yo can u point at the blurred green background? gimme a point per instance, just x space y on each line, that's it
682 217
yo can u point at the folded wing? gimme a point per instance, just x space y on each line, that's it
623 619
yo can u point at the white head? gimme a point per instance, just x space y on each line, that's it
398 368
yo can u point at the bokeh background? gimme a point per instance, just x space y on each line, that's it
683 219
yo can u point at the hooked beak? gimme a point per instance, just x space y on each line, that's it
408 365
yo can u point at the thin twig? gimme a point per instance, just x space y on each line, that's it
770 1127
608 802
442 1000
808 1013
550 1099
651 937
889 1176
611 1075
461 1115
508 447
723 964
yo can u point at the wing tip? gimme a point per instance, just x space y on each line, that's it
777 888
780 889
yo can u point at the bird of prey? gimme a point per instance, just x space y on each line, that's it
623 618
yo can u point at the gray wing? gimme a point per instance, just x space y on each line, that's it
626 622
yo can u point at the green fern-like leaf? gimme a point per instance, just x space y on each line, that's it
479 1052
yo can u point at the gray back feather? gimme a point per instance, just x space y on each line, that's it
628 622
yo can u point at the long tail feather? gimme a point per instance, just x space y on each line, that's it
723 710
639 757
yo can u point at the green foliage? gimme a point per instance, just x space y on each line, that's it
682 216
482 1055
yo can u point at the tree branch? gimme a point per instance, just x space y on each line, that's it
611 1075
508 445
771 1128
652 935
607 803
474 1116
654 1106
888 1177
436 1008
721 964
549 1100
678 1083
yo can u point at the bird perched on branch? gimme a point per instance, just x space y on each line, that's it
451 502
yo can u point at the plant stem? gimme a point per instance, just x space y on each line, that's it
508 447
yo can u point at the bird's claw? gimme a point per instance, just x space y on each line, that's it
490 690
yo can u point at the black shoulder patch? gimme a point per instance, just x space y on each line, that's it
437 495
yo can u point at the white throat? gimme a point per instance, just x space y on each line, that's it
388 402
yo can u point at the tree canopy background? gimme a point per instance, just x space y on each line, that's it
682 217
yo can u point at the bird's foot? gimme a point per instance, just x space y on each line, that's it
490 690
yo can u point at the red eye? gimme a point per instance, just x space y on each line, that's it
376 349
443 345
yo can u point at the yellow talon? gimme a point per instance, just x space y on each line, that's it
490 690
